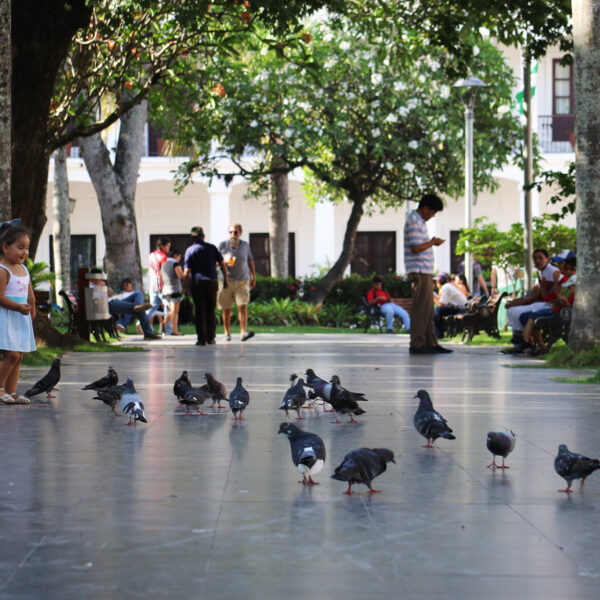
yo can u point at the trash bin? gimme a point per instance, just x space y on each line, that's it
96 299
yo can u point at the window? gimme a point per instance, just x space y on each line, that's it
374 252
563 100
155 142
261 251
83 254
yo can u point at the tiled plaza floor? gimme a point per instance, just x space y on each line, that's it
201 507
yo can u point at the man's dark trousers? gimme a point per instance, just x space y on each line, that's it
204 294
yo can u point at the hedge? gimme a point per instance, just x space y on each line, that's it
347 291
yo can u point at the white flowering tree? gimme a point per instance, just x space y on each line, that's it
373 123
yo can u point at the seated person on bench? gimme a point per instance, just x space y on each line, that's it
450 301
377 295
126 306
564 289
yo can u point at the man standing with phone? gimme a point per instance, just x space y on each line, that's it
240 266
418 260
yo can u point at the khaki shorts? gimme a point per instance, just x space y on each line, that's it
236 290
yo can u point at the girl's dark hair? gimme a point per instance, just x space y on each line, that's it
542 250
10 233
173 251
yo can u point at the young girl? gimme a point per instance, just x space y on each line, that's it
17 309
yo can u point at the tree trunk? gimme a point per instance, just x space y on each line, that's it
115 187
42 31
278 224
585 326
337 270
5 141
61 224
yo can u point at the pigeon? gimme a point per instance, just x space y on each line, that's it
110 379
308 451
110 396
295 397
181 384
217 389
131 404
500 443
570 465
343 401
47 382
362 466
238 399
428 422
358 396
191 396
320 387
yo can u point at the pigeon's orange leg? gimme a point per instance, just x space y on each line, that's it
311 481
503 465
567 490
349 490
429 444
493 465
372 491
352 420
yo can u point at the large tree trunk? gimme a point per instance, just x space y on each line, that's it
115 187
337 270
61 223
278 224
5 141
585 327
42 31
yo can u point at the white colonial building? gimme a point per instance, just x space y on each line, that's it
316 234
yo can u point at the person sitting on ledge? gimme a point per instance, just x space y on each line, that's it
377 295
128 305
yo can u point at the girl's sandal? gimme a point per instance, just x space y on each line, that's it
7 399
20 399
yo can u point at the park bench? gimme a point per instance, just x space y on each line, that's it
555 327
372 314
481 315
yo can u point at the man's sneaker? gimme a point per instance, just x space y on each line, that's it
120 328
247 335
390 331
213 341
228 337
138 328
152 336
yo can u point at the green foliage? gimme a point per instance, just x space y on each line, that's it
39 272
506 248
562 356
564 183
380 122
338 315
284 310
267 288
348 290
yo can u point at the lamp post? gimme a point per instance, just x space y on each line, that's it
472 84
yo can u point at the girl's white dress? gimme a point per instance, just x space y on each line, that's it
16 329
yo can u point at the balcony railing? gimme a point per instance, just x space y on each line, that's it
556 133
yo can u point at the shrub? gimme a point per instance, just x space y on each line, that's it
348 290
338 315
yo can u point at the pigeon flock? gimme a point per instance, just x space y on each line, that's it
361 465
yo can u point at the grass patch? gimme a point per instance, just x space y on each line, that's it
483 339
593 379
44 356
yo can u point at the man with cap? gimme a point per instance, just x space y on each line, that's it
200 276
377 295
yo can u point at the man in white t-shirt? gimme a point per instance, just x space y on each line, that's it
450 302
537 299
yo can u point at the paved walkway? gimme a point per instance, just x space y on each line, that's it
200 507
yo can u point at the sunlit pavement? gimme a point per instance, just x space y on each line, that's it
202 507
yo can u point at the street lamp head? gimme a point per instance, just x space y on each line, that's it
469 82
472 84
